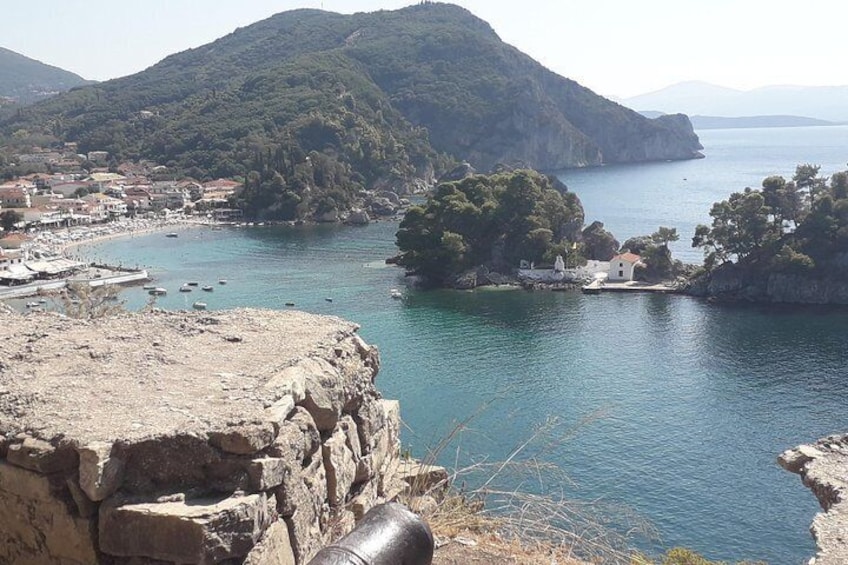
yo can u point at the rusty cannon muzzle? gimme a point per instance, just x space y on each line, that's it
389 534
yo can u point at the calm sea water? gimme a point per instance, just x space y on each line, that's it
680 407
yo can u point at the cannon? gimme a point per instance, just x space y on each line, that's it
389 534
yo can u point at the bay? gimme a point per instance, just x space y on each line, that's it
679 407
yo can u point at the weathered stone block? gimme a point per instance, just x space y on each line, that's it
421 478
302 499
245 439
100 471
364 500
38 455
290 381
36 523
278 412
298 438
274 548
340 466
267 473
194 531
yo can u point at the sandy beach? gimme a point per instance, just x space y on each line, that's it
62 242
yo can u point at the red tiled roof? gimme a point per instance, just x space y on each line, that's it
629 257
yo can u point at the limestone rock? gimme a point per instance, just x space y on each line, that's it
279 412
100 473
290 381
267 473
298 438
358 217
245 439
340 465
302 500
822 467
421 478
197 531
274 548
36 524
40 456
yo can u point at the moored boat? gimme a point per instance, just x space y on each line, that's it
158 291
208 288
185 288
199 305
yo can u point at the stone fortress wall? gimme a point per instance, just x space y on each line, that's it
247 436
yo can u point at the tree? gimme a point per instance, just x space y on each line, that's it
741 226
663 236
9 219
599 243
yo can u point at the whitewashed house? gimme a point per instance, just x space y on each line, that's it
621 267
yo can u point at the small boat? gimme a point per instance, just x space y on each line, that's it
192 283
158 291
199 305
395 293
149 286
42 301
289 303
32 304
172 234
185 288
222 281
208 288
328 299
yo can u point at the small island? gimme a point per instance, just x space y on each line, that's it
786 242
495 229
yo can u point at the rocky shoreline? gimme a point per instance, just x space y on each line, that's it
823 467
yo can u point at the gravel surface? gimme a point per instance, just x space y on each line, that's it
139 376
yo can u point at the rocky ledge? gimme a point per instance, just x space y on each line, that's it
170 437
823 467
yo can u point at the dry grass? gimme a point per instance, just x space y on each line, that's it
507 518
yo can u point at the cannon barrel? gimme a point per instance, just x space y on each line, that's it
389 534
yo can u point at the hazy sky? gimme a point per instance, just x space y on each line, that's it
615 47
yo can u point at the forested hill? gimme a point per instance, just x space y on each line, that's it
379 94
25 80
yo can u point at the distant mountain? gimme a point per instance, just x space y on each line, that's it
717 122
379 96
828 103
25 80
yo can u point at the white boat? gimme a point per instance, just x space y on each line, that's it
149 286
199 305
158 291
208 288
172 234
185 288
192 283
32 305
395 293
222 281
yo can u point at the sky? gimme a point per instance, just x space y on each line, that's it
617 48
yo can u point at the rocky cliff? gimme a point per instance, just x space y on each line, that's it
731 282
176 438
823 467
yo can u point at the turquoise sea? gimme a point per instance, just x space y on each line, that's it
672 407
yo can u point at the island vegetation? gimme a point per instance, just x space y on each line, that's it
771 243
492 220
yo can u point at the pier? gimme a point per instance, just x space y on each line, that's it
598 286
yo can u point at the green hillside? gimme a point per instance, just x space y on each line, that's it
382 97
26 80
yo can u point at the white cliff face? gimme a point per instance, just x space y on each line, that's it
823 467
247 436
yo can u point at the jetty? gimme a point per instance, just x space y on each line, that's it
598 286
